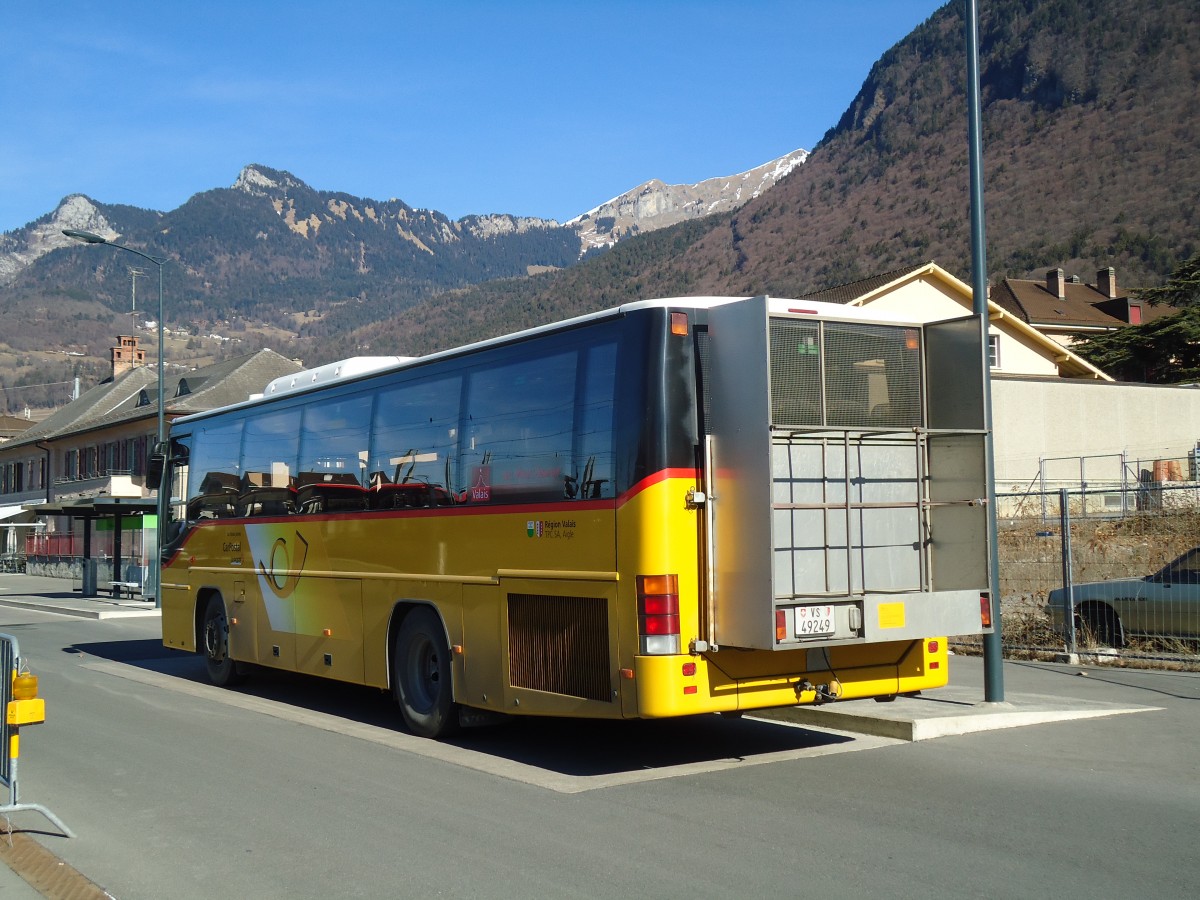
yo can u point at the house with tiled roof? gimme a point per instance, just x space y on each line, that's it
927 293
98 444
1064 308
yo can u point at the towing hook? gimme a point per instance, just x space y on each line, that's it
822 693
829 693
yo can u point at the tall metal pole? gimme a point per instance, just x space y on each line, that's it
993 658
160 518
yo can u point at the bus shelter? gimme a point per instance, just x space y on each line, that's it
120 516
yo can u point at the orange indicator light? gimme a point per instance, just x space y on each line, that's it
679 324
627 674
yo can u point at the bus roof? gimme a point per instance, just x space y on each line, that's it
357 367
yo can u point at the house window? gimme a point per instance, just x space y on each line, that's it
994 351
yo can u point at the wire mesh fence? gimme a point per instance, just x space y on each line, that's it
1126 556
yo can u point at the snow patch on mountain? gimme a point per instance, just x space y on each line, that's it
654 204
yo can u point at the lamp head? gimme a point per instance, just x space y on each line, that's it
85 236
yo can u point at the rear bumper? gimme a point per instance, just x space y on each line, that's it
737 680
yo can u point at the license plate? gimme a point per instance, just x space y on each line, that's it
814 621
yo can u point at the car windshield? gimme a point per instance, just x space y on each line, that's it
1185 570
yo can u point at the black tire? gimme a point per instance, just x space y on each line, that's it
1104 625
421 675
214 636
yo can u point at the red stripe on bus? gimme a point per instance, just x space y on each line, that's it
657 478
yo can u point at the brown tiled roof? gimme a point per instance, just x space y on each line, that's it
848 293
1082 307
134 395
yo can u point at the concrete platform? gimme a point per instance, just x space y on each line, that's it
945 712
55 595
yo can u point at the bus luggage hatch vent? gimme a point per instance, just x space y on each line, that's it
559 645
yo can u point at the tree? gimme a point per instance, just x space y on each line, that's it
1165 351
1181 290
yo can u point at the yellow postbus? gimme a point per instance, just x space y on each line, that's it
675 507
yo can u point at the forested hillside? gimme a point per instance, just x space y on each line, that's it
1092 158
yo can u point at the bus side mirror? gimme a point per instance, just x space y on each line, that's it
154 468
156 462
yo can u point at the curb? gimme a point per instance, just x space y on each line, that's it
45 872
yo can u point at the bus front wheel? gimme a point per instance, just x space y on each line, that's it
222 670
421 676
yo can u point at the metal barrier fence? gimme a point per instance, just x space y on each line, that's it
1133 579
45 543
18 697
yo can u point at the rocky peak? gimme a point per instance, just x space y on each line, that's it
654 204
22 247
261 181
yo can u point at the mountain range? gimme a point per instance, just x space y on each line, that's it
1091 146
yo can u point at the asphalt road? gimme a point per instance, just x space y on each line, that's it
298 788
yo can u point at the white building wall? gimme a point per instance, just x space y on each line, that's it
1064 419
930 299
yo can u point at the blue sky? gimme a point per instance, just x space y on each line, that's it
533 108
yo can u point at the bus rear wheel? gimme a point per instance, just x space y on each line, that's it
222 670
421 675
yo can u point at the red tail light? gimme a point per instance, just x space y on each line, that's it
658 613
985 610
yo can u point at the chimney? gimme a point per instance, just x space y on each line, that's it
1106 282
126 355
1056 283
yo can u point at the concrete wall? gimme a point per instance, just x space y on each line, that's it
1035 418
54 567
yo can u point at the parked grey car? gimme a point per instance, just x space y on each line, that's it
1166 603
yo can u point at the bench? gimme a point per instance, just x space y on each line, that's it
120 588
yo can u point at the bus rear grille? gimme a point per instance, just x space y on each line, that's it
559 644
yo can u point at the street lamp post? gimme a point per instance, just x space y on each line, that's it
88 237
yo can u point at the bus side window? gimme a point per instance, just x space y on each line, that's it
592 476
332 476
414 441
214 472
520 420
